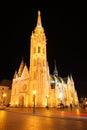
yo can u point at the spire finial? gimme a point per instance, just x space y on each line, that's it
38 12
39 19
55 69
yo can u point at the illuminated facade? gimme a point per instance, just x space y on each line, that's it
49 89
5 95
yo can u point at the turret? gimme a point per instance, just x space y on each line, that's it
55 69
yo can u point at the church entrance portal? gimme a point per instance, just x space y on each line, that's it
21 101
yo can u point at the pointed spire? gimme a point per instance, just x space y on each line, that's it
55 69
71 77
15 74
69 80
39 24
21 68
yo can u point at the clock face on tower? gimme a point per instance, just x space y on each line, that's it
24 87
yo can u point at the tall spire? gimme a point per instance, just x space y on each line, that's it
21 68
39 24
55 69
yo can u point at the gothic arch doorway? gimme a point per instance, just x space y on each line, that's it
21 101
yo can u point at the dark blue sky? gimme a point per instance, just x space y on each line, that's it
66 32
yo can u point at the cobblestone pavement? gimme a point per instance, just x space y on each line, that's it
50 111
43 119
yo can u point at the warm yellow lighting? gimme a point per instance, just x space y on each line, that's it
77 111
16 103
39 91
60 95
4 95
62 112
34 98
34 92
47 96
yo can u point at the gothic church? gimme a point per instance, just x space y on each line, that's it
49 90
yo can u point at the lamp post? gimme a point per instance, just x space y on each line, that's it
34 94
47 100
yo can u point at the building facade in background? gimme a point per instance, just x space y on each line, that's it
5 92
35 84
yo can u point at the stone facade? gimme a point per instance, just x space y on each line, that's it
50 90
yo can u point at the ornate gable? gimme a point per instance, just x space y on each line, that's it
25 72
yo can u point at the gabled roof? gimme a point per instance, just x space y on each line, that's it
25 73
59 79
54 78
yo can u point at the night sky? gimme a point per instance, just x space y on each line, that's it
66 33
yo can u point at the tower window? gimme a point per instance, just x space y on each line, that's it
38 49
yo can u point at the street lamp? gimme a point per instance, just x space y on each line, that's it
34 93
47 96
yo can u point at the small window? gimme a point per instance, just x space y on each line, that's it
52 85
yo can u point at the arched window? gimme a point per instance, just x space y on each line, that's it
38 49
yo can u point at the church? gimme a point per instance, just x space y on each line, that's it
35 85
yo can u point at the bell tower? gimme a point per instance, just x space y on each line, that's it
38 46
39 71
